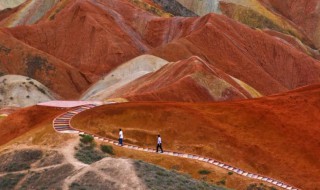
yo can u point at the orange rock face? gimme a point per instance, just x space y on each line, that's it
295 43
29 12
93 37
212 58
97 36
243 53
276 136
20 59
190 80
303 13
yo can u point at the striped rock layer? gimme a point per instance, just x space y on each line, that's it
96 44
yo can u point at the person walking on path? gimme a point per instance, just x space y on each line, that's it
159 145
120 137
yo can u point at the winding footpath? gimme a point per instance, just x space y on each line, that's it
62 124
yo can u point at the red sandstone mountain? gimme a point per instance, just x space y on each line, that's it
244 53
276 136
97 36
190 80
69 44
18 58
291 40
26 13
92 36
304 15
299 19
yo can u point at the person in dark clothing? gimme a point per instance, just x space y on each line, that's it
120 137
159 144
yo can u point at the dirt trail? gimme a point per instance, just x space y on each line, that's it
69 150
115 173
119 172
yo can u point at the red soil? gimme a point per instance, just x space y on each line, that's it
295 43
265 63
180 81
277 136
21 59
303 13
97 36
91 36
24 120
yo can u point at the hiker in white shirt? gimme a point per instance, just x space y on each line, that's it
120 137
159 144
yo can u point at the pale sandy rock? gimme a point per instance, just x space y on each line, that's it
16 90
202 7
123 75
30 13
4 4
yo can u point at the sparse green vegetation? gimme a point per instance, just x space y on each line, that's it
107 149
159 178
204 172
222 182
19 160
9 181
86 139
51 178
230 173
37 63
261 186
74 185
12 167
86 152
91 180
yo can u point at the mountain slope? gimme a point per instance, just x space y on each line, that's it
266 135
28 13
255 55
190 80
123 75
4 4
299 19
18 58
22 91
89 35
304 14
116 31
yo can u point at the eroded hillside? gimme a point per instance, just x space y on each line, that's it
252 134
